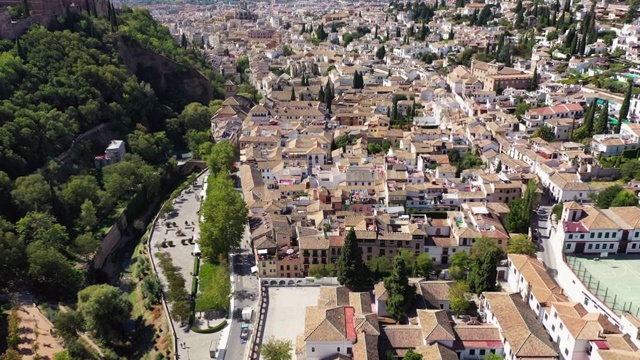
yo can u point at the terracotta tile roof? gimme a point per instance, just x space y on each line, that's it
435 325
323 324
361 302
478 332
380 292
520 327
436 351
331 296
434 292
621 342
367 323
596 219
630 215
558 109
398 337
543 287
581 324
366 347
618 355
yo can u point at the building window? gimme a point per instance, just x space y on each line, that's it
561 326
566 352
313 349
482 351
472 351
606 235
610 246
338 349
590 246
591 235
599 235
570 236
349 351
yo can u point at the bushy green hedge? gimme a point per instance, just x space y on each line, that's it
194 286
196 266
211 330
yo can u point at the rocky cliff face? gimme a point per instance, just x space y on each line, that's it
171 81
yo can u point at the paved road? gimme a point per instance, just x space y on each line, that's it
246 295
246 287
542 221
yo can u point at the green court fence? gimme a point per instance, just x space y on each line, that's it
608 296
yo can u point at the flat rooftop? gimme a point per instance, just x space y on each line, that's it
613 279
286 312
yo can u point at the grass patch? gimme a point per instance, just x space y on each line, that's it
215 287
605 184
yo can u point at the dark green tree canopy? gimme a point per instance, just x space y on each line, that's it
352 271
104 309
400 294
225 216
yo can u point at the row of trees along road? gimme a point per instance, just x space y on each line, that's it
224 211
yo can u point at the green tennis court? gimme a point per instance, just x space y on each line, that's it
615 279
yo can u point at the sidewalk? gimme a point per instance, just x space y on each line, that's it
191 345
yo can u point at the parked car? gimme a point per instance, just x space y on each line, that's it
244 334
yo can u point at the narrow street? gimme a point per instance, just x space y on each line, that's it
246 290
542 222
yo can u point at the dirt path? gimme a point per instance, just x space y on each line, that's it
35 328
84 336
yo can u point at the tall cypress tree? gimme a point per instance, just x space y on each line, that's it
114 18
352 272
582 47
25 9
293 93
328 95
624 109
632 12
20 49
534 80
586 130
183 41
573 49
401 294
321 95
600 126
